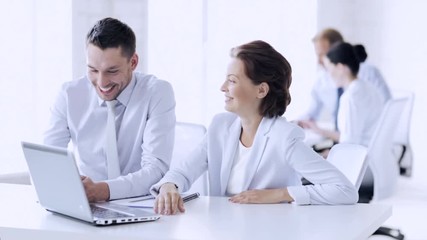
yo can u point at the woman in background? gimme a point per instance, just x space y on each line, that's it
252 154
360 105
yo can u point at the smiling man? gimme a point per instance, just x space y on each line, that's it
142 116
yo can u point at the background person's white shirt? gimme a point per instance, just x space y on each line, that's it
323 98
145 120
324 92
359 111
372 74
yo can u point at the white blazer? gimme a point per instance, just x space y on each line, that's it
279 159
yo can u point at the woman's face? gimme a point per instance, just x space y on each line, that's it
335 70
241 95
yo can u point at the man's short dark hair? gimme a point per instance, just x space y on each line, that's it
112 33
329 34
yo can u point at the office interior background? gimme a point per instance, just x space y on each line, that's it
187 43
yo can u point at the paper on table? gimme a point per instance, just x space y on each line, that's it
136 201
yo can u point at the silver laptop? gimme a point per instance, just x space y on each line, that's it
60 189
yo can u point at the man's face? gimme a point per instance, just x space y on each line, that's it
109 71
321 47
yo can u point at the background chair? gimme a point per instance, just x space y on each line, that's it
402 146
380 180
383 170
16 178
187 136
351 160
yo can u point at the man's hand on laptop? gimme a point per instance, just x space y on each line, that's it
95 192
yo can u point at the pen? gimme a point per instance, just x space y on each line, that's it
150 202
190 197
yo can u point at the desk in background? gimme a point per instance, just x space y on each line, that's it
21 217
312 138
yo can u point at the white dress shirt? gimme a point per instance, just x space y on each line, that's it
278 159
324 91
360 109
145 120
371 74
323 97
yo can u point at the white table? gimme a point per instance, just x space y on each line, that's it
21 217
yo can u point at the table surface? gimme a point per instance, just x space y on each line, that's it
21 217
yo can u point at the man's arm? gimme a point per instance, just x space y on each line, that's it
57 133
157 146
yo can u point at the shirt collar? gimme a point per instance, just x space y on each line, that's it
124 96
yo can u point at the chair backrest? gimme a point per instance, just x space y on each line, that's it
16 178
402 145
187 136
381 161
402 132
351 160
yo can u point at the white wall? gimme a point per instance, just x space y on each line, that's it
85 13
176 52
48 38
189 44
395 38
35 59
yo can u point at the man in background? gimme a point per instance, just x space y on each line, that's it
324 93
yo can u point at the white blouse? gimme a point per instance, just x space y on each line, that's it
237 174
360 108
371 74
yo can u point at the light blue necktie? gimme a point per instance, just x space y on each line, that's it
113 166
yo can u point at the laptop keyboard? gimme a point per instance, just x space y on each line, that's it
100 212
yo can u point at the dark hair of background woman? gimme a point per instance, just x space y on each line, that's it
360 51
344 53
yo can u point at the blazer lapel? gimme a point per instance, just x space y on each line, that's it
258 148
230 148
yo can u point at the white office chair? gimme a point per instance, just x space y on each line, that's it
351 160
187 136
383 170
16 178
380 180
402 146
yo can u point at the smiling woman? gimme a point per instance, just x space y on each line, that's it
251 153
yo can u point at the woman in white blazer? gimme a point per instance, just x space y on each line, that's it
253 154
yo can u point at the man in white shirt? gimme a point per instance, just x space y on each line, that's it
324 92
144 117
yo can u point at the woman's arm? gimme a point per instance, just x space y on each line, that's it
330 186
263 196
